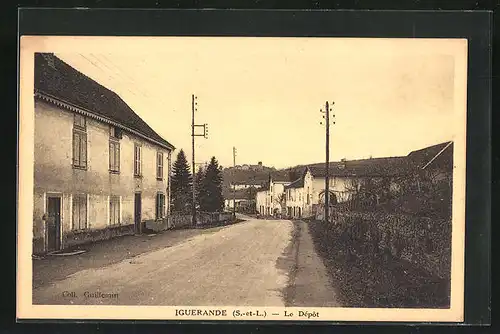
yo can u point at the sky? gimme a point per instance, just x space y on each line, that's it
263 95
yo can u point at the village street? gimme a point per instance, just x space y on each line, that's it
255 262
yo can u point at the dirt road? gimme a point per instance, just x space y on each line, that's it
250 263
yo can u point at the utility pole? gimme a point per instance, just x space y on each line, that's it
234 186
194 104
327 160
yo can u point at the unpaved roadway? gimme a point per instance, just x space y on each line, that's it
256 262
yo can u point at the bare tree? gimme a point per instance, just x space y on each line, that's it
280 200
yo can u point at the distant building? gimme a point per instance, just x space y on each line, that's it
434 161
270 199
245 184
295 198
347 177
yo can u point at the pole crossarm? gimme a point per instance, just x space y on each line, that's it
193 135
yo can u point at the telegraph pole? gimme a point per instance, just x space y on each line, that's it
193 98
194 104
327 160
234 186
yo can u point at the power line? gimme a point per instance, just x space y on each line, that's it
119 74
105 72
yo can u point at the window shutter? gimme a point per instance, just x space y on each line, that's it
111 156
76 220
140 159
157 206
117 159
76 149
135 160
83 213
83 148
162 205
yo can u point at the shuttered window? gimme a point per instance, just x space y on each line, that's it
79 149
137 160
79 142
159 166
114 210
79 212
114 156
160 205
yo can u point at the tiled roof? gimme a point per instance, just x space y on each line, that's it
440 154
61 81
299 183
393 166
280 176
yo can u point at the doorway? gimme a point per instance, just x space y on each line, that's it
53 223
137 213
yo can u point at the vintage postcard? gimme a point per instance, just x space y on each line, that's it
238 178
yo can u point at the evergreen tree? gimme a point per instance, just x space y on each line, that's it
211 199
200 175
181 186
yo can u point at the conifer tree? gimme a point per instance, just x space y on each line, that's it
211 199
200 175
181 187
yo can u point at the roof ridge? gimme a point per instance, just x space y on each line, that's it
69 73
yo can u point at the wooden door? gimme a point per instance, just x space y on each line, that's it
53 223
137 212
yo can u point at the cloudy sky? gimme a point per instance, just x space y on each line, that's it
263 95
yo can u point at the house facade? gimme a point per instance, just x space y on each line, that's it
387 175
99 170
295 198
346 178
270 200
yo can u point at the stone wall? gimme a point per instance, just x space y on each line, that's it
73 239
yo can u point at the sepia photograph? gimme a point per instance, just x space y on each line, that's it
242 178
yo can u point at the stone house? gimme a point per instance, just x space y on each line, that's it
99 170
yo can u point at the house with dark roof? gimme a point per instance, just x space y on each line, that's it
434 161
99 169
347 176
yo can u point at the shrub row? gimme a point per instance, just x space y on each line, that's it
380 260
